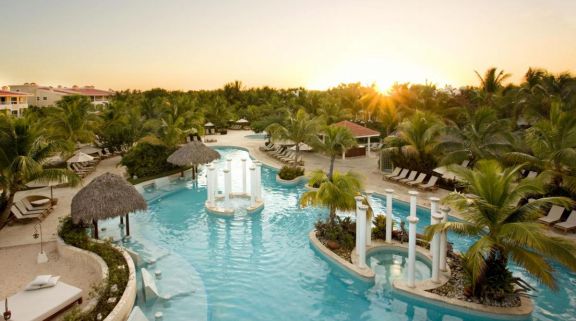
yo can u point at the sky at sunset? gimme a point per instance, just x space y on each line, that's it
184 44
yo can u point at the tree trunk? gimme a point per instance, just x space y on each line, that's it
332 217
331 169
297 155
6 212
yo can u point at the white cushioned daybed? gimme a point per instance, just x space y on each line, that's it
42 304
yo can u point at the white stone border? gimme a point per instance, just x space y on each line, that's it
292 182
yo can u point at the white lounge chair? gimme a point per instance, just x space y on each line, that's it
42 304
402 175
554 215
418 180
410 177
431 185
22 216
395 172
569 224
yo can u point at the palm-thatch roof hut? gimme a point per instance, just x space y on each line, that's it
194 153
105 197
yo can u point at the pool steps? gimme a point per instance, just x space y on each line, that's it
137 315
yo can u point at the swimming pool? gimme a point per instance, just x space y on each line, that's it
261 266
259 136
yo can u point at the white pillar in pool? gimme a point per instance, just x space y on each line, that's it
443 240
252 185
258 181
433 207
227 185
412 221
435 249
229 163
209 184
389 193
215 182
368 220
244 175
361 232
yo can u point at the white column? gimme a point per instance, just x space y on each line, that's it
433 207
368 148
389 193
229 163
443 240
259 181
215 183
435 249
361 232
209 184
368 220
252 185
244 176
227 185
343 155
412 221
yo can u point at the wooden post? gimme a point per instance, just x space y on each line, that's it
127 225
96 229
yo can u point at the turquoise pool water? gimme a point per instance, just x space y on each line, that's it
261 267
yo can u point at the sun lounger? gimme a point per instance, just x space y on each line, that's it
403 174
418 180
569 224
410 177
21 216
42 304
26 211
32 207
431 185
465 163
395 172
554 215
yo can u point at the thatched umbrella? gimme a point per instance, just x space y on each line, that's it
107 196
193 153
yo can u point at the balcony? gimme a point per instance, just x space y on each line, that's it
13 108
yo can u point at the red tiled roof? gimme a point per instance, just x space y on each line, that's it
358 130
13 93
84 91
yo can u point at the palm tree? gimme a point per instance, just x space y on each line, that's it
73 120
23 152
482 135
336 193
492 80
335 141
299 129
505 231
553 145
416 141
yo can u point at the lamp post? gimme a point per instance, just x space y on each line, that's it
42 257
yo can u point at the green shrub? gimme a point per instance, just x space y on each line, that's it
289 173
148 160
341 231
379 229
118 273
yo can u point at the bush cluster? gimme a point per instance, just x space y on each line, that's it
147 159
118 273
340 231
289 173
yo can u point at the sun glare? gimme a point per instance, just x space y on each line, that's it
373 71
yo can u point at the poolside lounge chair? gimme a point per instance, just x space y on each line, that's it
27 201
431 185
21 216
569 224
402 175
554 215
395 172
418 180
410 177
26 211
43 304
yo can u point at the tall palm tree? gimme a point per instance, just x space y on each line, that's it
553 145
23 152
416 140
335 141
299 128
482 135
336 193
74 120
505 231
492 80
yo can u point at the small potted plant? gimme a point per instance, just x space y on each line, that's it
7 313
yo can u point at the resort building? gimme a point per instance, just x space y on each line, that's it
44 96
13 102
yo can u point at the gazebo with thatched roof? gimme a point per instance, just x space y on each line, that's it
107 196
194 153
